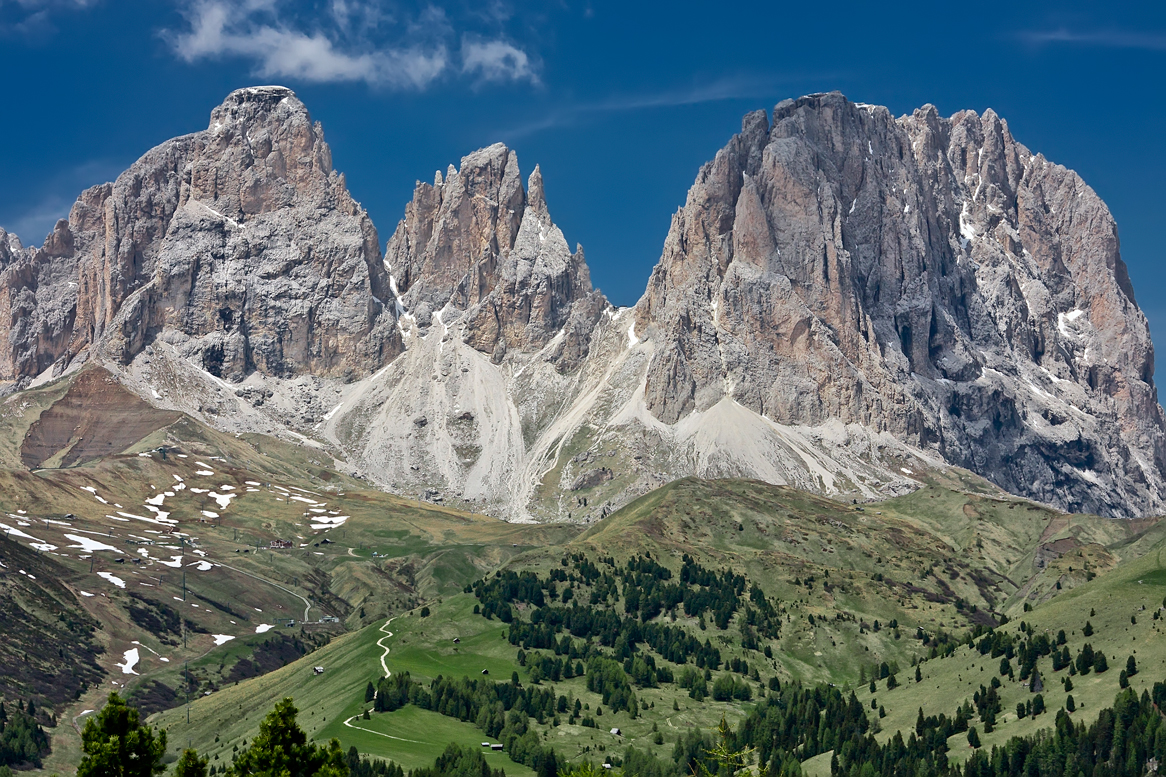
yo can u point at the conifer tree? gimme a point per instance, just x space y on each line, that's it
190 765
116 744
282 748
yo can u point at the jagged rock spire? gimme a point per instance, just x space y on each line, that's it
240 242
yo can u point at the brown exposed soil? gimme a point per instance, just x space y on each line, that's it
95 418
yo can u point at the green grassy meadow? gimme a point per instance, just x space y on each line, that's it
952 555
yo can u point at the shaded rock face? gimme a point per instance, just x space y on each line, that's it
844 296
926 277
479 243
37 302
238 245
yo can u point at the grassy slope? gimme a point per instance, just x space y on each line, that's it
420 646
422 551
783 535
931 549
424 647
910 558
1114 598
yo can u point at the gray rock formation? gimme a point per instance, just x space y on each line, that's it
38 292
478 242
845 299
499 316
927 277
239 246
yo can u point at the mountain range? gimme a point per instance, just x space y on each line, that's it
845 301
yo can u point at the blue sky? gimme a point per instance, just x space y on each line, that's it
620 102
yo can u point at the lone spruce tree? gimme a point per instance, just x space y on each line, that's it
116 744
190 765
282 748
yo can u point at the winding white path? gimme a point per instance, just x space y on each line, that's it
385 655
307 604
380 643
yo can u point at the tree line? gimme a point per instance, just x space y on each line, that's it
500 710
23 742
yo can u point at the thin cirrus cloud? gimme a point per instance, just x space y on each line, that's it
1112 38
254 30
34 17
729 88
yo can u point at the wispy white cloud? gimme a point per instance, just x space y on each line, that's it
253 30
496 60
344 44
1111 38
34 17
730 88
353 16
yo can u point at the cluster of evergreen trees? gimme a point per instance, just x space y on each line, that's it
456 761
501 710
23 743
368 767
609 629
479 701
648 590
607 678
794 723
1127 740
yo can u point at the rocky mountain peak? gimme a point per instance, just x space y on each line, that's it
261 153
479 243
238 246
535 196
927 277
844 296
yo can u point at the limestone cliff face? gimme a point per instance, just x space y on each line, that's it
927 277
477 241
38 292
845 298
238 245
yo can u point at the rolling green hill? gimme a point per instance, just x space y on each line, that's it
167 547
891 562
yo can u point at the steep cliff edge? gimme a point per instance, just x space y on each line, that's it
239 246
848 303
927 277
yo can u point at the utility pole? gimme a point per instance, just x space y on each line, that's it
183 541
187 685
